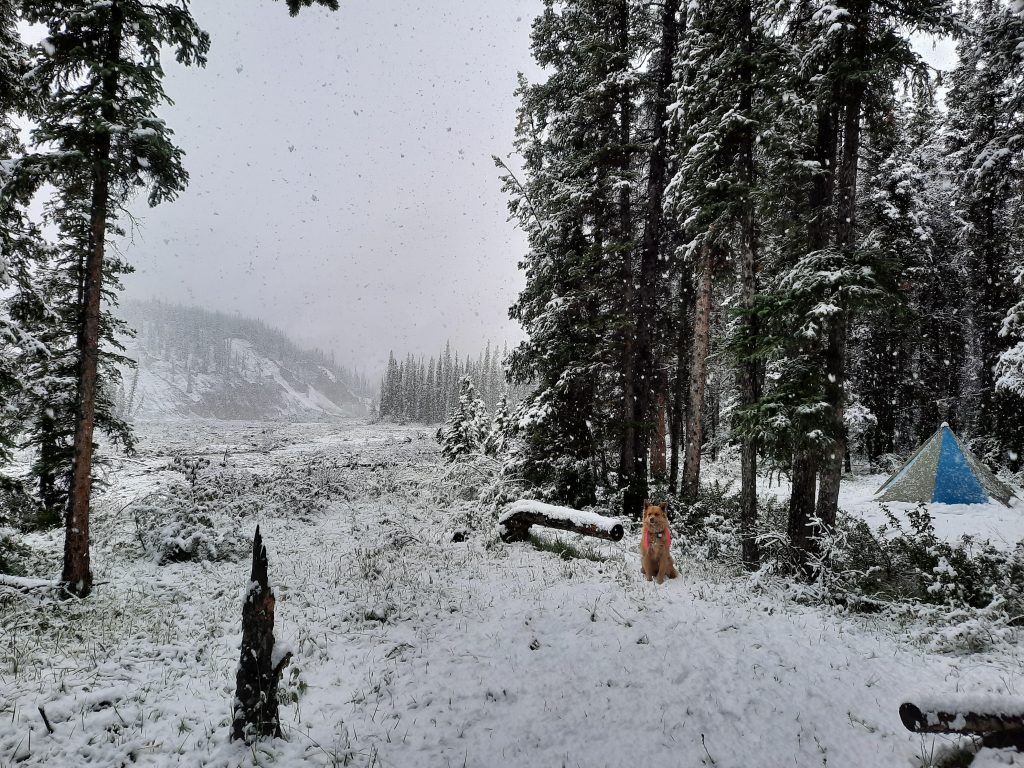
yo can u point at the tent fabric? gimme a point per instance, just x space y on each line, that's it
942 471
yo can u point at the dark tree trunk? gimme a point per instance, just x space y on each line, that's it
76 576
698 376
749 374
259 666
802 532
850 101
634 483
802 529
964 717
680 388
658 466
646 416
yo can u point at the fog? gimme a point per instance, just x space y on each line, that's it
342 186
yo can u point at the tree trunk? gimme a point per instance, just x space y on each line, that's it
802 529
76 577
645 413
261 661
967 716
749 373
682 378
805 466
658 467
850 100
632 465
698 376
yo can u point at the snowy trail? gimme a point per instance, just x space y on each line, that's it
412 650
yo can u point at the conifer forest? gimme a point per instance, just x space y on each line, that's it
492 383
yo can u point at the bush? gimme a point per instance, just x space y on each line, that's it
198 516
12 554
967 592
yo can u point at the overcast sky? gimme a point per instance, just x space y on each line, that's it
342 186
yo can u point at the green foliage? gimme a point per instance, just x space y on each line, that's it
467 428
12 556
294 6
565 549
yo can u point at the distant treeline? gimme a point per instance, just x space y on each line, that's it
427 390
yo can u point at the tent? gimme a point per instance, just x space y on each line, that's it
944 472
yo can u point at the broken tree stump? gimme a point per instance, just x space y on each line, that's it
261 660
998 720
515 523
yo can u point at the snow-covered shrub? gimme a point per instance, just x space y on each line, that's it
12 554
199 517
965 581
173 531
467 427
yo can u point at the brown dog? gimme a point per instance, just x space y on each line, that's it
655 545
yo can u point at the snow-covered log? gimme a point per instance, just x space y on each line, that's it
998 719
515 522
262 660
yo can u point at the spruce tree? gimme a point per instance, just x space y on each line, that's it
100 78
468 426
575 134
986 139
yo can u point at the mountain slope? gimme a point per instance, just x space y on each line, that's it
195 362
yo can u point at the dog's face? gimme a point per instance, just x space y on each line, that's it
655 518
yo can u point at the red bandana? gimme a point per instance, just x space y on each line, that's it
668 538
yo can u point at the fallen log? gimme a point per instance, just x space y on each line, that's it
261 660
998 720
514 524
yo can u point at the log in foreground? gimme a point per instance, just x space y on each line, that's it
262 660
514 524
998 720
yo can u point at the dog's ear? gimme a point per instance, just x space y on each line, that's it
664 507
647 503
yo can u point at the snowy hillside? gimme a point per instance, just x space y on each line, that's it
198 363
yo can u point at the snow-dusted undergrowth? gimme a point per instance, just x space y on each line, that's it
412 649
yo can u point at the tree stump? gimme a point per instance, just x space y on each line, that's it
261 661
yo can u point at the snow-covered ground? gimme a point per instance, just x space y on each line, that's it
1002 525
412 649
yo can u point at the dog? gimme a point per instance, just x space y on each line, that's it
655 545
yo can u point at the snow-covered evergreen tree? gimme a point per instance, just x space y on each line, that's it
502 429
986 139
575 136
467 427
98 77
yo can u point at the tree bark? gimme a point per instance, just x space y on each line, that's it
801 528
680 389
76 577
260 662
633 483
749 373
698 375
802 533
517 527
649 419
963 718
850 100
658 463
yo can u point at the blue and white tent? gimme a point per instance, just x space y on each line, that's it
942 471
